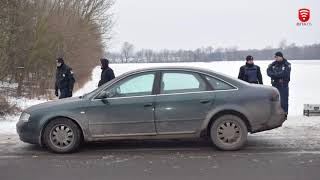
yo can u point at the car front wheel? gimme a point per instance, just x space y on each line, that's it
62 136
229 132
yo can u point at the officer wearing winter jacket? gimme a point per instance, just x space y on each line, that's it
250 72
107 73
64 80
279 72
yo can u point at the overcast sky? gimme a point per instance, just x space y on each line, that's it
189 24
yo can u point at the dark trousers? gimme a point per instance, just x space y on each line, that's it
284 95
65 93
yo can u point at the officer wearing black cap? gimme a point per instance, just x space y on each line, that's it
279 72
64 80
250 72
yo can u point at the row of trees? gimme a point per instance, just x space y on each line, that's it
33 33
207 54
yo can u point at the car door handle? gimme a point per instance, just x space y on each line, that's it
148 105
205 101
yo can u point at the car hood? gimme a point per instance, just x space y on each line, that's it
66 103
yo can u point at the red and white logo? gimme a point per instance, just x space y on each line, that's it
304 14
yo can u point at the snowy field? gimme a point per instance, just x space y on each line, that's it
304 86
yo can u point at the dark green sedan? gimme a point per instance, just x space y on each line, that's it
164 102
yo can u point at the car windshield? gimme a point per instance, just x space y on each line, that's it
92 93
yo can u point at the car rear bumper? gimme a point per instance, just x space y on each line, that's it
276 120
27 132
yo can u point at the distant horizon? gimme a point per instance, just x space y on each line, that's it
207 54
237 49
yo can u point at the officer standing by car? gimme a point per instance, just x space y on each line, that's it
64 80
279 72
250 72
107 73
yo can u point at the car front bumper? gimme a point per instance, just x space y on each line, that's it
28 132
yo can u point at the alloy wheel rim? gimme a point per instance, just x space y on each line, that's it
229 132
61 136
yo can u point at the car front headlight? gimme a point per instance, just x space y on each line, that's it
24 117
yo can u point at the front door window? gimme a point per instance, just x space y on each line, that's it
139 85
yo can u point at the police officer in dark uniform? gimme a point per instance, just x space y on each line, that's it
64 80
107 73
279 72
250 72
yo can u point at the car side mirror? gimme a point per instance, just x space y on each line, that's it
104 95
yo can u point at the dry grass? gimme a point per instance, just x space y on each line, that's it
6 108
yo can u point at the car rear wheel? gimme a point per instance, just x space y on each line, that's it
62 136
229 132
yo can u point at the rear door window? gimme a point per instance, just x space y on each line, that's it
218 84
181 82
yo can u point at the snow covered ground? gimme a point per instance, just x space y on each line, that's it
303 87
8 124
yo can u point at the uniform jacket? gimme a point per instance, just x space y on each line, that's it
250 73
64 78
279 72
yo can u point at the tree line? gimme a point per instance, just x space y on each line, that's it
33 33
127 54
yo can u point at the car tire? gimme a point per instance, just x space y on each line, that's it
62 136
229 133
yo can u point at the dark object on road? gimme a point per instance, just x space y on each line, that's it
64 80
250 72
279 71
107 73
166 102
311 110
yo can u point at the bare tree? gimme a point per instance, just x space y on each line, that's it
207 54
127 51
283 44
34 33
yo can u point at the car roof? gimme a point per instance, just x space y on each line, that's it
187 68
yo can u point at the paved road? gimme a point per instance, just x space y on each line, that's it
288 153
